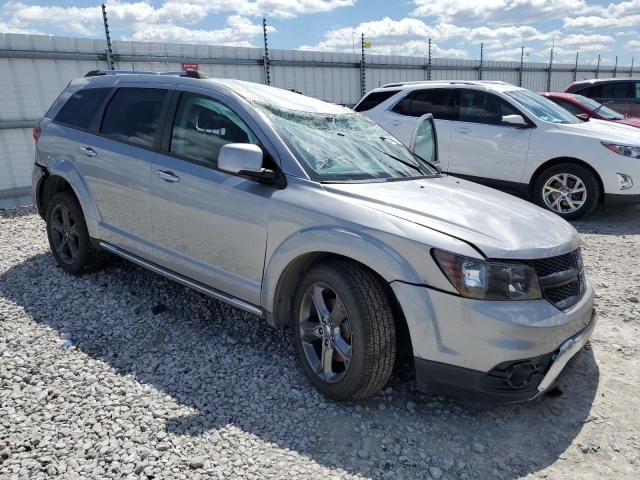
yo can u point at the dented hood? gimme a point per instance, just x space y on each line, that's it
498 224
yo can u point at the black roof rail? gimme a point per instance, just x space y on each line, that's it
178 73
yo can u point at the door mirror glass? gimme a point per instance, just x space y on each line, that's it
424 142
514 121
240 159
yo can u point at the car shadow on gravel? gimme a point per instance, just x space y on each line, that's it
618 220
233 369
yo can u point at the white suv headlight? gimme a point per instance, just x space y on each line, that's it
626 150
489 280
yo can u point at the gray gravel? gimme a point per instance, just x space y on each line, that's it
94 384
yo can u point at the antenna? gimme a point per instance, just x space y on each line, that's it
110 62
267 73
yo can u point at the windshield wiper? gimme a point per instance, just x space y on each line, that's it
594 111
404 162
432 165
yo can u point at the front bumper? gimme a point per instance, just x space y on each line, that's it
515 381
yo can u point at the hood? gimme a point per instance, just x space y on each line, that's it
633 121
614 132
498 224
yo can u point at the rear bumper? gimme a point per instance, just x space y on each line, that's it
515 381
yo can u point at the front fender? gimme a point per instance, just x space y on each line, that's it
67 170
359 246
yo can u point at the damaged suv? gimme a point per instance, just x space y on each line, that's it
311 216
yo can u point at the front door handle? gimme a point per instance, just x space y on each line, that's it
88 151
168 176
463 130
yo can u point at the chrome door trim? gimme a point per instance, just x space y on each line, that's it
223 297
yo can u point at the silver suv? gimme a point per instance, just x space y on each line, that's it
310 215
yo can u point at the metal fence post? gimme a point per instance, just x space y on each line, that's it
631 69
481 61
363 78
110 62
598 67
575 70
549 71
521 71
265 58
429 62
615 68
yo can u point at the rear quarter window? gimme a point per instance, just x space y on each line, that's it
374 99
81 107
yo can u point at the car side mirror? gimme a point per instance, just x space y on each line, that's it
424 141
514 121
244 160
583 116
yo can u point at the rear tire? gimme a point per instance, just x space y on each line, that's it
354 336
568 190
69 238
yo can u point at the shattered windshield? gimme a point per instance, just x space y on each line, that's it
344 147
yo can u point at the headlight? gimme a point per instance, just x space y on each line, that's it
626 150
474 278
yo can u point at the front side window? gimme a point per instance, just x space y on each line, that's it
374 99
479 107
133 116
542 107
81 107
344 147
203 125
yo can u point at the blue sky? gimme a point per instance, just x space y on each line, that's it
456 27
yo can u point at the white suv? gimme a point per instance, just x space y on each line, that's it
511 138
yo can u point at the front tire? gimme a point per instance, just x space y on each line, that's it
68 236
344 331
567 189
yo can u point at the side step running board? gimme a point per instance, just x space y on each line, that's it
223 297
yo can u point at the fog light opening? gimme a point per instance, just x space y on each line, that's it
624 181
520 374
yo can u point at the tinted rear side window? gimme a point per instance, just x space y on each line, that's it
82 107
374 99
133 115
616 90
441 103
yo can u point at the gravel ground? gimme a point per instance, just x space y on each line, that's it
123 374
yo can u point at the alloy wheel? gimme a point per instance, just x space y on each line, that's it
564 193
64 234
325 332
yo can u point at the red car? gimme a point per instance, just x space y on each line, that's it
584 107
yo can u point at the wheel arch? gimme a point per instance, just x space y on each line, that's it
558 160
291 275
62 176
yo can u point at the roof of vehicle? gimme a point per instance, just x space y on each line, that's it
250 91
567 96
596 81
482 84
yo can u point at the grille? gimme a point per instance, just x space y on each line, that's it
561 278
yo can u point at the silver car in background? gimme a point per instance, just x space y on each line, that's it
311 216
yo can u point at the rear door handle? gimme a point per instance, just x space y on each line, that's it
88 151
463 130
168 176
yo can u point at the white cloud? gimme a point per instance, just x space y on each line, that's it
521 11
238 31
632 44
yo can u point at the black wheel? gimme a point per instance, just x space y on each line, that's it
68 236
344 331
567 189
